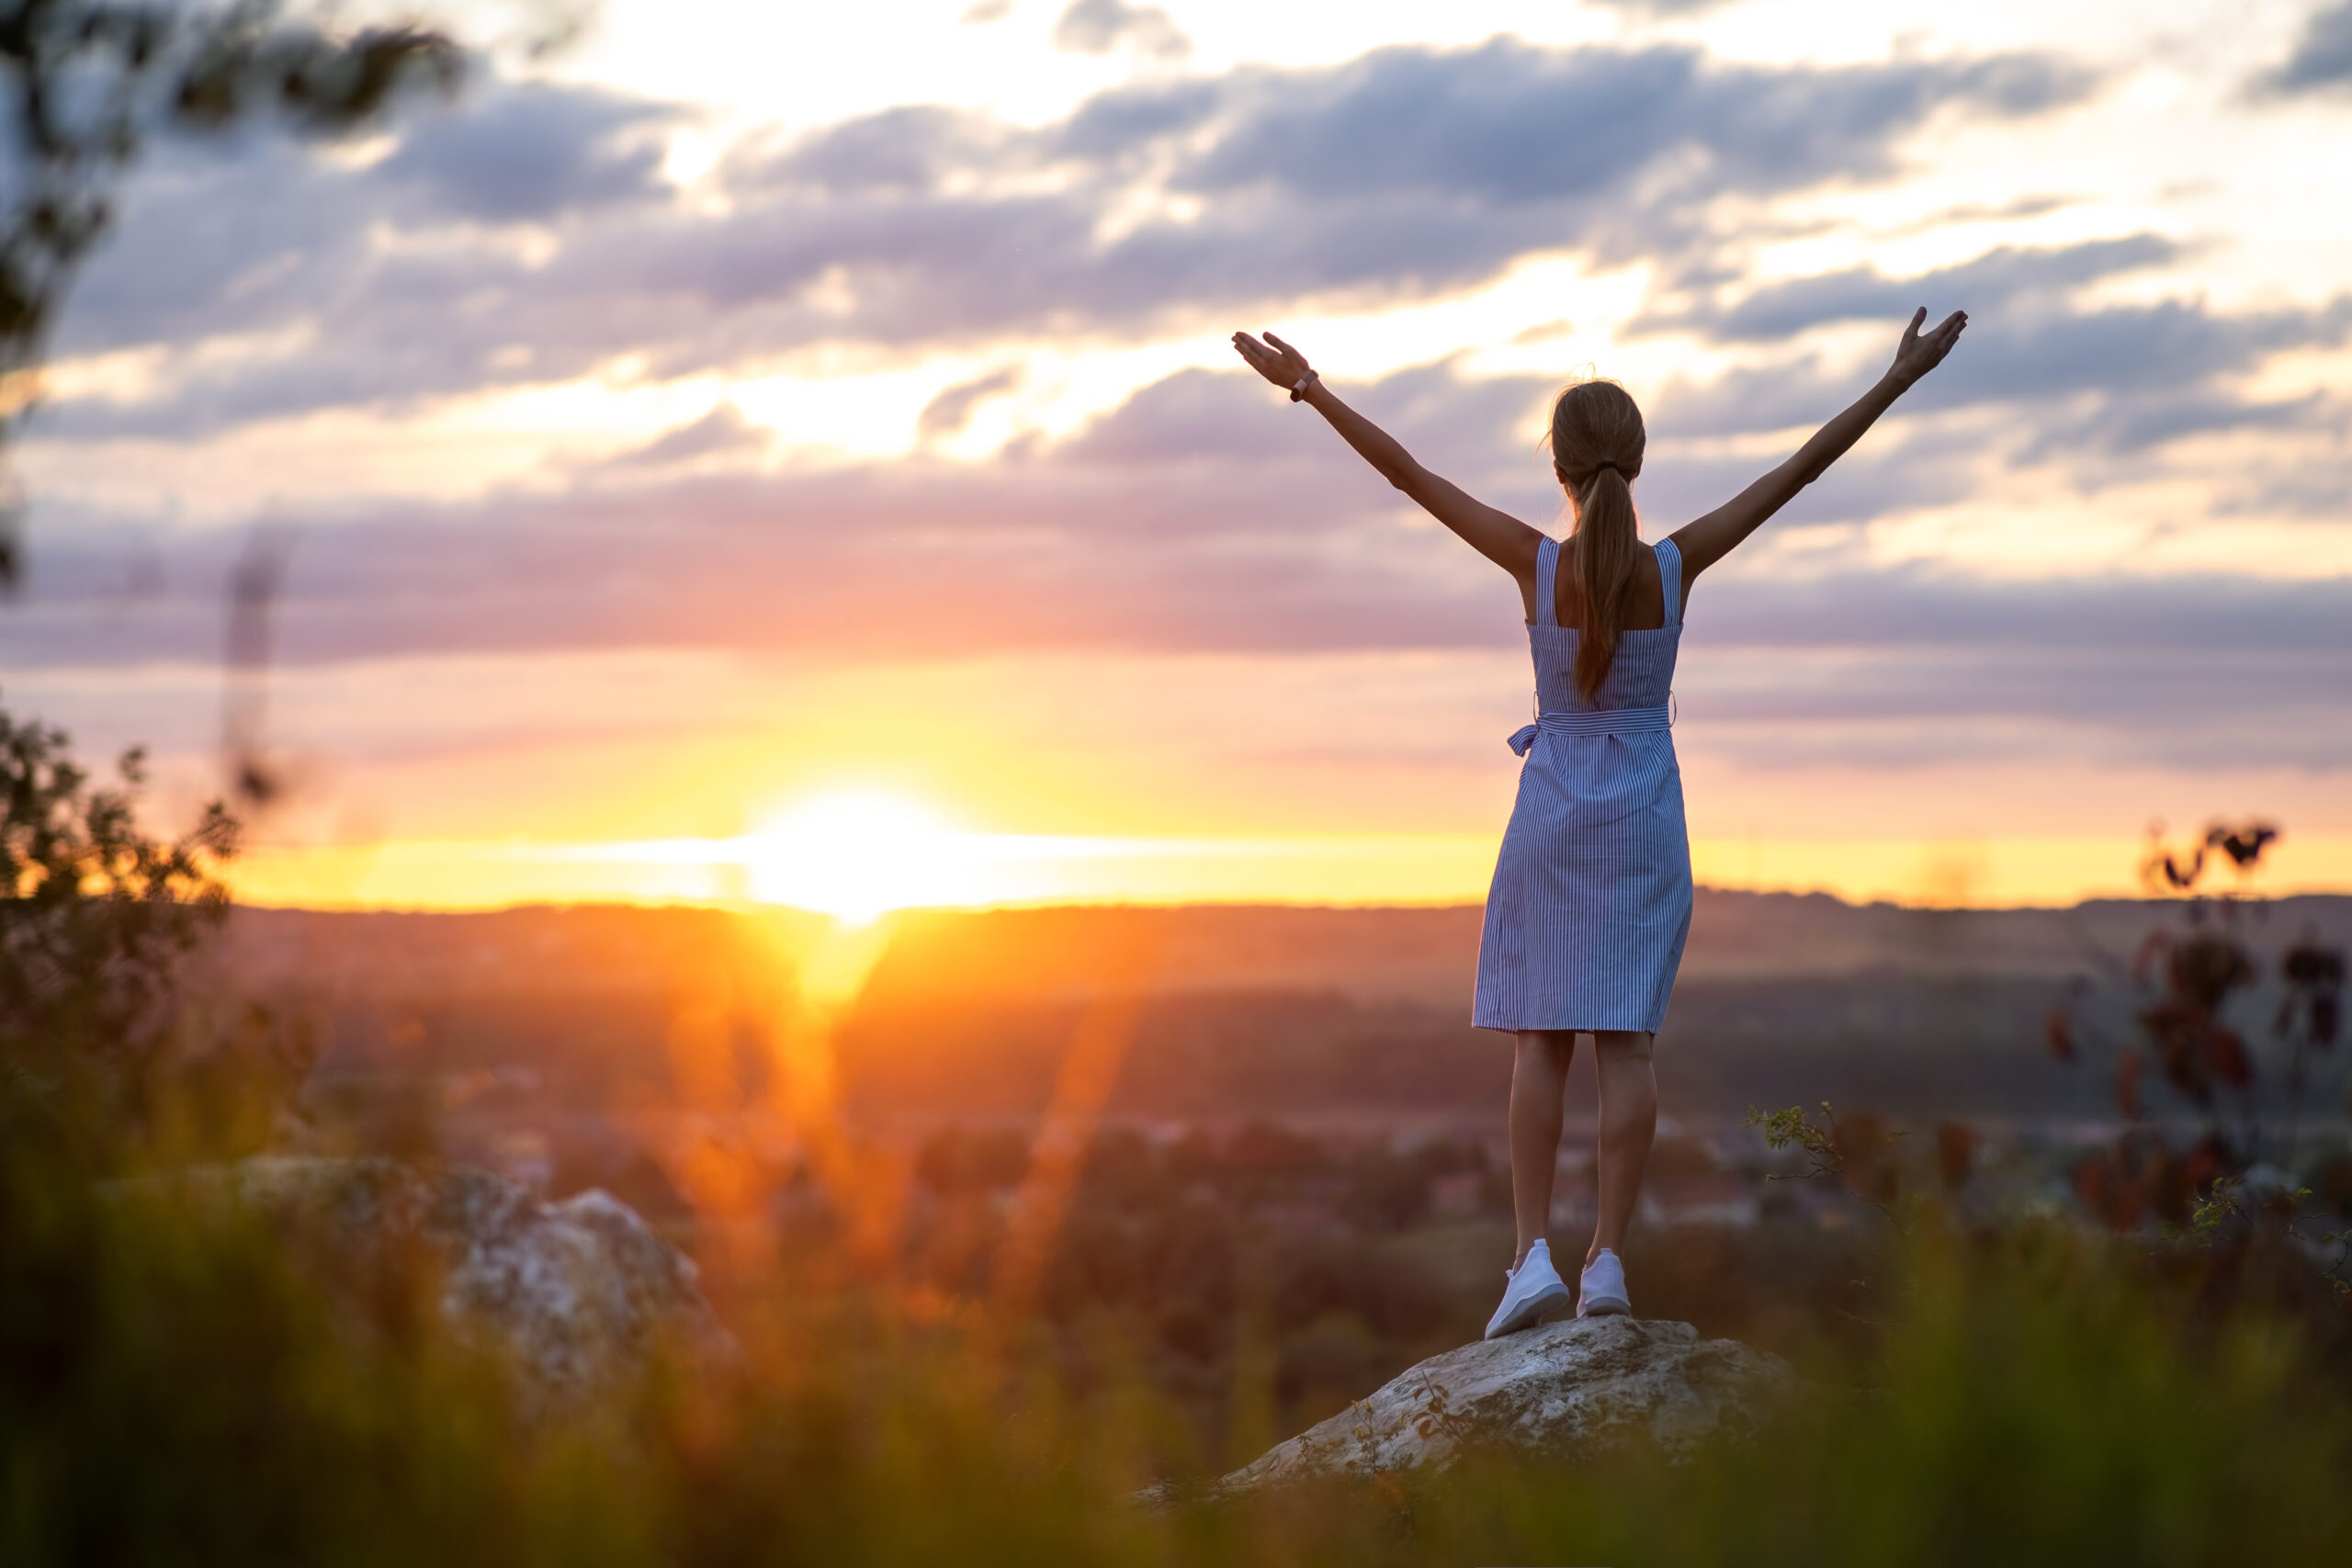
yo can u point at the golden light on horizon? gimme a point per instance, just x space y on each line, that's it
856 854
929 864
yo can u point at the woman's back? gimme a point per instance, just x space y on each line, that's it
1641 673
1644 598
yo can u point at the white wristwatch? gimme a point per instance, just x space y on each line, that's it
1298 387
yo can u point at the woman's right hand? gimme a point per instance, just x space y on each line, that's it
1915 355
1273 360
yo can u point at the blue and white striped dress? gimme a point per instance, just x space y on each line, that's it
1592 899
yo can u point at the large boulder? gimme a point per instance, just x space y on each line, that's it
580 1295
1566 1390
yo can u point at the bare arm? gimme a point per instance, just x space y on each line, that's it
1713 537
1497 536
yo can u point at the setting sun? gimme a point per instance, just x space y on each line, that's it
856 854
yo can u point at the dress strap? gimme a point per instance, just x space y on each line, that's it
1669 580
1547 570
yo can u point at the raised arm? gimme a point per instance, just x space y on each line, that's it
1713 537
1497 536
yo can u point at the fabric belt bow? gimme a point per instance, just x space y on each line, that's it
1591 721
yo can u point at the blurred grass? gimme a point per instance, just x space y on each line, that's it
179 1385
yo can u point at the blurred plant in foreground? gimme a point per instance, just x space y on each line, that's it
1858 1148
179 1389
2186 980
94 915
96 919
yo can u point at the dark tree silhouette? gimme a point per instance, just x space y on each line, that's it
88 83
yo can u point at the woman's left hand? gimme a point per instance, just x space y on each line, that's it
1273 360
1915 355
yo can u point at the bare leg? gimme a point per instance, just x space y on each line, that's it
1628 1122
1539 1084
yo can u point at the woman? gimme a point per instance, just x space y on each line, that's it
1591 896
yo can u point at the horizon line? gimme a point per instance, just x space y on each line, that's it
1329 871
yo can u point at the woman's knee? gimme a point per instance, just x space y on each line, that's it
1623 1044
1548 1047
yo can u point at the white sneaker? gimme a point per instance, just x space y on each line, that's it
1534 1288
1600 1293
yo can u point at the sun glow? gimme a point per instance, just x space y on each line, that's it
855 855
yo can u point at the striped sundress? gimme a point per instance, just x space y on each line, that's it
1592 898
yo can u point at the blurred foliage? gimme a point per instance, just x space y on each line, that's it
2187 985
90 83
97 920
2038 1396
173 1389
1858 1149
1200 1252
176 1387
2165 870
95 914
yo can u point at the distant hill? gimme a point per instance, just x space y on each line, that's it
1430 954
1247 1010
1367 954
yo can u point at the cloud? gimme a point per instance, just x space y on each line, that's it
531 237
951 410
1996 281
1507 124
721 432
1202 517
2131 351
1127 534
1098 26
536 239
533 154
914 149
2322 57
1404 174
2155 372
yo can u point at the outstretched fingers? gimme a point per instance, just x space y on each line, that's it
1940 344
1281 364
1259 355
1917 356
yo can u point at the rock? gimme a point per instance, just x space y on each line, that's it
1564 1390
580 1295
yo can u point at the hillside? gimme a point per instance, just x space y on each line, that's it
1248 1009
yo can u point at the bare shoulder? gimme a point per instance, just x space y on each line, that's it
1704 541
1520 544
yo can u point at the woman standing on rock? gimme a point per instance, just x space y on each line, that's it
1591 896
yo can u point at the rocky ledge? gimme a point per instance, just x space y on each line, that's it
580 1295
1566 1391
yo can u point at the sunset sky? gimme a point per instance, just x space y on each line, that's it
792 452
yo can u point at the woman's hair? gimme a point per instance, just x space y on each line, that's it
1597 440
